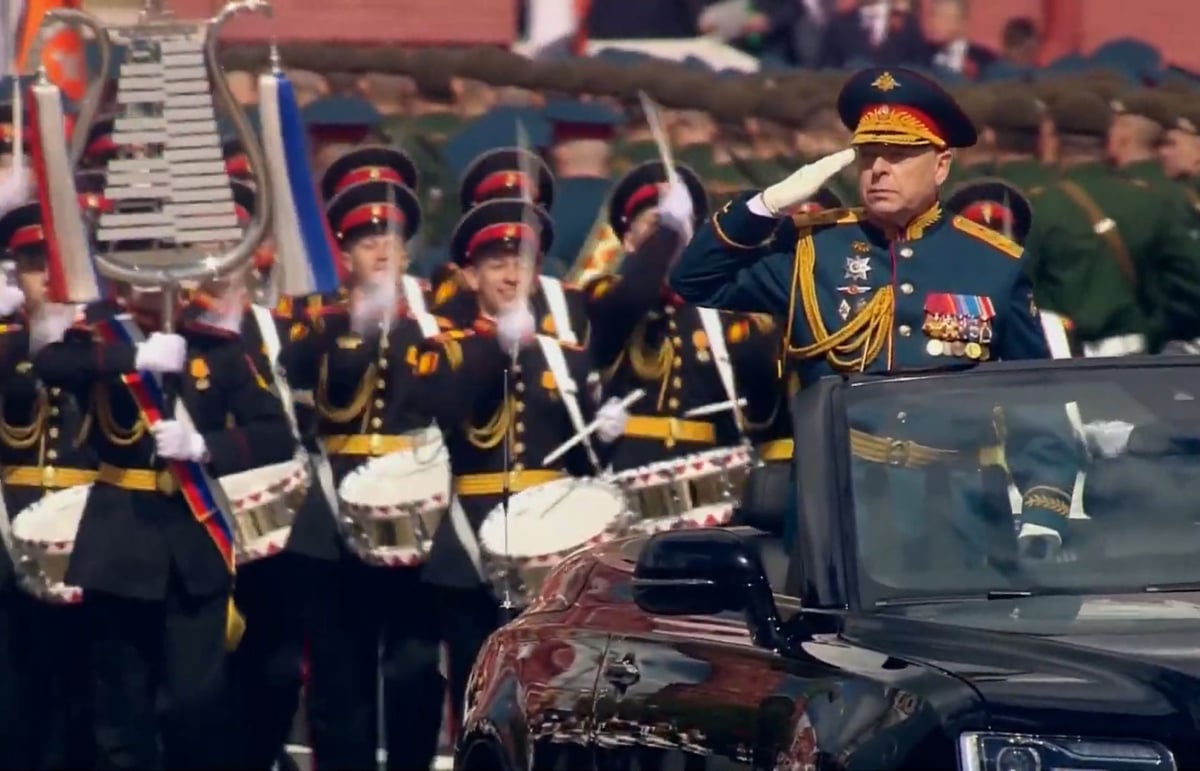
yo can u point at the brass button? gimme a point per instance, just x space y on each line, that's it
166 483
54 411
53 432
678 362
383 363
516 369
520 426
379 404
673 403
669 441
381 383
901 416
906 288
48 476
55 391
518 467
677 382
520 406
669 310
676 341
906 252
904 330
520 387
376 422
518 448
52 454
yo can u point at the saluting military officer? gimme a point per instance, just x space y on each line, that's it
558 306
43 449
940 289
489 430
156 569
1107 254
368 621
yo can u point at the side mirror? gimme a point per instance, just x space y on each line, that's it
705 572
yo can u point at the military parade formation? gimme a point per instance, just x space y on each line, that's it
501 310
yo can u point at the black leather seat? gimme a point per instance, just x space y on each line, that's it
764 508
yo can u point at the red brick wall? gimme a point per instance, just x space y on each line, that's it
418 22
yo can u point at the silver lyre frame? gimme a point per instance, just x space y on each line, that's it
148 268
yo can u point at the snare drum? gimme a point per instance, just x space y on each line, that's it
263 502
43 539
392 505
713 515
545 524
669 489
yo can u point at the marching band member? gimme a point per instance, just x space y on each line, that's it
490 430
505 173
938 289
13 747
364 399
154 566
645 336
43 448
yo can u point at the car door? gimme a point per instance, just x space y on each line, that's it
692 692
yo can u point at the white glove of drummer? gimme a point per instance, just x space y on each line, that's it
374 305
1038 543
610 420
675 208
780 198
1107 438
161 352
176 441
11 298
515 326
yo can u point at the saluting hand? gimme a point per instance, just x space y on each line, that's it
161 352
176 441
803 184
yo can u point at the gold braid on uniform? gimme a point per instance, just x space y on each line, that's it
85 428
651 365
118 436
357 404
856 344
24 437
490 434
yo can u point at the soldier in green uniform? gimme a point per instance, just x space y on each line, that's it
743 259
973 162
1180 150
1014 118
1111 257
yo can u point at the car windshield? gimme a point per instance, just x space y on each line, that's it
1015 480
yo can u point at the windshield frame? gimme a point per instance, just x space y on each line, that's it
829 516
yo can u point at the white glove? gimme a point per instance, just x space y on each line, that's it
161 352
1036 542
176 441
375 305
675 208
610 420
515 326
50 324
804 183
11 299
1107 438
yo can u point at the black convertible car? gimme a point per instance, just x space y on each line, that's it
896 622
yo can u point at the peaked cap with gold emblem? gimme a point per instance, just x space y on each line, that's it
372 208
372 163
995 204
896 106
501 221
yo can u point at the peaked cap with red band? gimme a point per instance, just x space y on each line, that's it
506 222
638 191
498 174
996 204
373 163
895 106
373 208
21 232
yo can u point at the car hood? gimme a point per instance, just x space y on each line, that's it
1114 666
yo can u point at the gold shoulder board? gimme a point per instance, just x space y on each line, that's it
997 241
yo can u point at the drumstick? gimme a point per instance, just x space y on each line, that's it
653 117
588 430
710 409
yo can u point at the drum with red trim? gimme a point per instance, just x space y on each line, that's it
43 540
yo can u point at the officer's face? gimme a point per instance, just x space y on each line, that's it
500 278
896 183
373 257
1180 154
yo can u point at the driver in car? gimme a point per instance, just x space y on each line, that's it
901 284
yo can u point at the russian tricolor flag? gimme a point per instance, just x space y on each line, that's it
306 254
